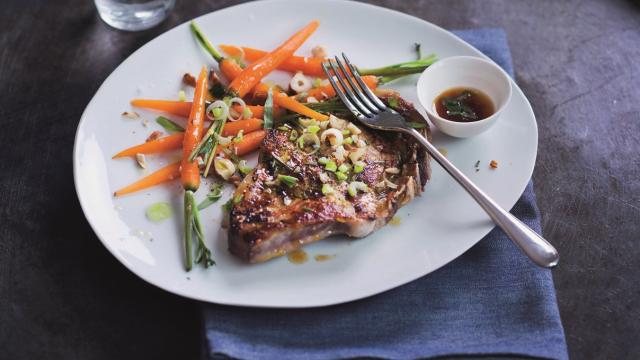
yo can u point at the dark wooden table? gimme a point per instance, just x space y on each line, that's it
62 295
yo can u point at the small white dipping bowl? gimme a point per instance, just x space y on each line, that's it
464 71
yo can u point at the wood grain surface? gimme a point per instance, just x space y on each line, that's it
63 296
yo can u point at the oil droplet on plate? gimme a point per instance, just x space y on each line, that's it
297 257
323 257
395 221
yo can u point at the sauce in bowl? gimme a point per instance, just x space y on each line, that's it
462 104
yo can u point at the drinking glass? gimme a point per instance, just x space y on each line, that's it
133 15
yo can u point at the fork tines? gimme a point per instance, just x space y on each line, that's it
352 90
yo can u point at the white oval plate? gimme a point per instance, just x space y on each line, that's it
435 228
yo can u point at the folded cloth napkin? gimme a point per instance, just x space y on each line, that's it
491 301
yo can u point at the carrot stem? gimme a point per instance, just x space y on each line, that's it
163 175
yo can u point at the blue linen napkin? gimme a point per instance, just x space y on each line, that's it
491 301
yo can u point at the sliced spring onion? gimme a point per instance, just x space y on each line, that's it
337 123
358 167
215 193
343 168
224 167
348 141
331 166
309 143
243 167
242 104
182 96
323 160
290 181
159 211
268 110
239 137
294 135
169 125
341 176
304 122
346 132
300 83
313 129
356 155
354 129
334 135
356 186
218 110
327 189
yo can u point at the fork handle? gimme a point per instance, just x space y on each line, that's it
539 250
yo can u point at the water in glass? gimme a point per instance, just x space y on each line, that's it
133 15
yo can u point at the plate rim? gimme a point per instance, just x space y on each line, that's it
360 296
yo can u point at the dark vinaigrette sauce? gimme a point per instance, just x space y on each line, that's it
464 105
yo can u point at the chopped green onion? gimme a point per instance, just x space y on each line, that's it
283 128
343 168
346 132
331 166
290 181
313 129
268 110
323 160
327 189
294 135
348 141
417 125
356 186
215 193
237 199
341 176
217 113
169 125
182 96
316 83
159 211
358 167
393 102
307 122
243 168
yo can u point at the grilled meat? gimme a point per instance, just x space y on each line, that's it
271 217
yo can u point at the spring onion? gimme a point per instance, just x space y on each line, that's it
341 176
331 166
290 181
169 125
159 211
215 193
327 189
356 186
309 143
268 110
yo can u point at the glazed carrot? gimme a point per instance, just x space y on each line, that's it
326 91
163 175
245 125
179 108
229 67
289 103
253 73
249 142
193 134
308 65
167 143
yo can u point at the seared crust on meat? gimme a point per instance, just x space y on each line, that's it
271 219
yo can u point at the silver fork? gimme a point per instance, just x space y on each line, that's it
372 112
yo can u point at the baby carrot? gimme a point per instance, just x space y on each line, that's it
326 91
249 142
253 73
245 125
289 103
308 65
163 175
167 143
193 134
180 108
